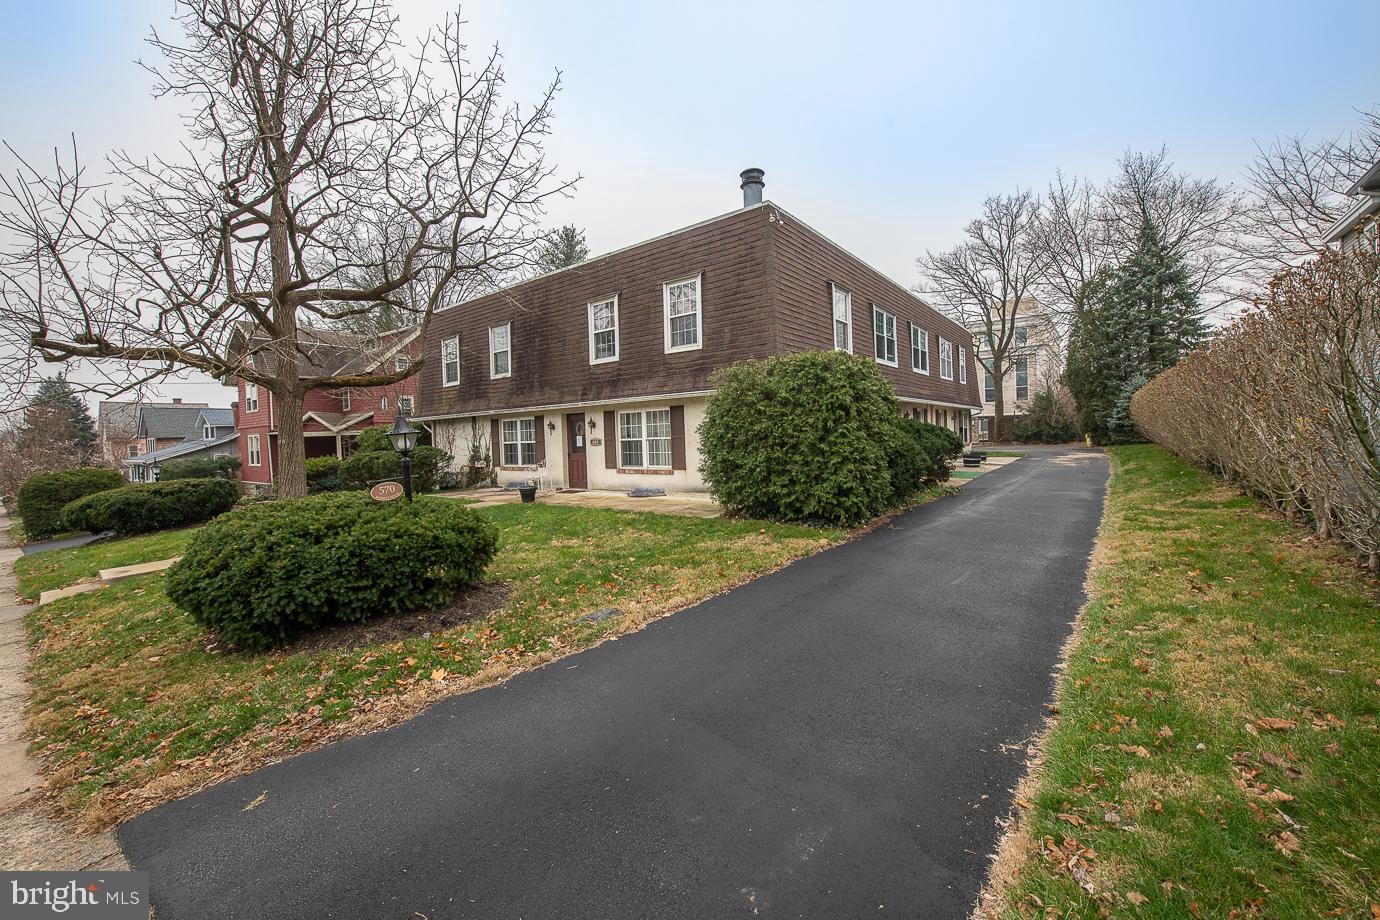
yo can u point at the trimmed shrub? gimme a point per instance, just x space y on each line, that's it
364 467
934 449
42 496
323 475
224 466
149 506
264 574
802 437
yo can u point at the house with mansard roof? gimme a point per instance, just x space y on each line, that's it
597 375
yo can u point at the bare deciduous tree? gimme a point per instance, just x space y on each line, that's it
325 176
982 281
1298 188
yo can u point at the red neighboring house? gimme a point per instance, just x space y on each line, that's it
332 418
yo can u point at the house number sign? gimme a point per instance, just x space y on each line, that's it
386 491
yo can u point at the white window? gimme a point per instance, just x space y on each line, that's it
134 450
603 330
401 362
884 335
450 362
919 350
500 351
383 404
519 442
681 301
345 397
251 397
1022 379
405 405
843 319
644 439
255 457
962 364
946 359
206 432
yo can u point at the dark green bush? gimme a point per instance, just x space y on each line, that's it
1048 420
323 475
224 467
802 437
263 574
922 455
42 496
362 468
149 506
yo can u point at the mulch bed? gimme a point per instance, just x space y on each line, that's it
475 601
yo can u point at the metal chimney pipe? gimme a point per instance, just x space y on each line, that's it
752 186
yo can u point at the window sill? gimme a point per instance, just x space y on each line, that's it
516 469
643 471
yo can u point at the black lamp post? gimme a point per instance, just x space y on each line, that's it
404 437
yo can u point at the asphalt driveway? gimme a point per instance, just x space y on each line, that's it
827 741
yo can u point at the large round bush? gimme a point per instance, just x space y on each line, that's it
802 437
150 506
264 574
42 496
920 455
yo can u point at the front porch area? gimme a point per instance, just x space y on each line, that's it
686 504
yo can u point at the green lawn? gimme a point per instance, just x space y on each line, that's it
1216 753
132 702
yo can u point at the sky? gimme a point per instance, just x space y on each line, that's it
882 124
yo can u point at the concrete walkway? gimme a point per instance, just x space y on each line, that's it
835 739
29 839
689 504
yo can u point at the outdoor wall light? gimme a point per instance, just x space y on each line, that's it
551 427
592 424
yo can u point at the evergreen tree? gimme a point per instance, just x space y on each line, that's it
565 248
58 424
1130 324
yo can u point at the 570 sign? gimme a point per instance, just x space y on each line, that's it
386 491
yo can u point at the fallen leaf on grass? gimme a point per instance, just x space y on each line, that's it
1333 750
1072 819
1165 732
1287 843
1136 898
263 796
1135 749
1273 724
439 674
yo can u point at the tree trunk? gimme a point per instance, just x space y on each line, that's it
292 446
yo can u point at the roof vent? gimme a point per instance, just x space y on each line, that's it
752 186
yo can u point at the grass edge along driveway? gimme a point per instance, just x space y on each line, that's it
132 703
1216 752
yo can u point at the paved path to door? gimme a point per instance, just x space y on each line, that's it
827 741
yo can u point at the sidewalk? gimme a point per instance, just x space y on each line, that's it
29 839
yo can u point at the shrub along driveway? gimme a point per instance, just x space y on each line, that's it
829 740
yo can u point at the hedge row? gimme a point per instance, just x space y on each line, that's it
1284 401
266 573
150 506
43 496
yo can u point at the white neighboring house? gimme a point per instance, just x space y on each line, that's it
1036 355
1360 225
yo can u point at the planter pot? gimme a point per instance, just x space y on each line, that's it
528 493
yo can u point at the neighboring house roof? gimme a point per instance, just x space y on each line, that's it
1368 188
180 449
170 422
119 418
323 352
338 421
218 418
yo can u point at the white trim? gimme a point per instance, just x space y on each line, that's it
554 407
341 427
925 350
937 402
494 353
666 314
962 364
946 348
455 340
254 450
401 362
503 441
895 358
834 291
405 404
345 399
589 311
251 396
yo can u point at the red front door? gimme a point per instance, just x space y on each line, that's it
577 473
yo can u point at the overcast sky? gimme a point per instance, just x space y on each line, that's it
883 125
